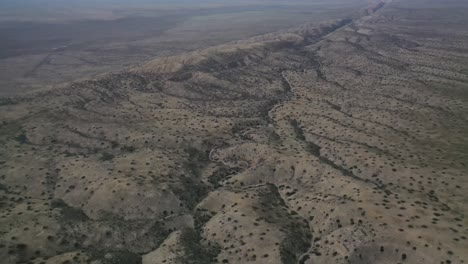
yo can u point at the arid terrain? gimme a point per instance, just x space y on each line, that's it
46 47
343 140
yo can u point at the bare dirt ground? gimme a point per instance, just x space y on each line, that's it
344 141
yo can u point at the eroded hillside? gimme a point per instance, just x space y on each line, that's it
339 142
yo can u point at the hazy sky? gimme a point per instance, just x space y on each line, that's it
89 3
110 3
60 10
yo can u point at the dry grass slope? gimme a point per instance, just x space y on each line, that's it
344 142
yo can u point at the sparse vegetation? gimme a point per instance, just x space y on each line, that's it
331 142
